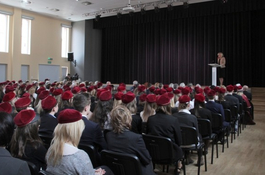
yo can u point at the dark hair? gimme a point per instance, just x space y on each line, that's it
197 106
80 101
23 136
65 104
6 128
100 114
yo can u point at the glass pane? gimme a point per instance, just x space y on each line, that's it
26 36
65 42
4 32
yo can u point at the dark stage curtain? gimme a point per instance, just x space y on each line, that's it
176 46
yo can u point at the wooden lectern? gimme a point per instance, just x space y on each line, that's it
214 72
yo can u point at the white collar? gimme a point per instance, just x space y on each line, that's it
185 111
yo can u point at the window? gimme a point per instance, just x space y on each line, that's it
4 32
26 36
65 41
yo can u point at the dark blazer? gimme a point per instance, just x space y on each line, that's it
165 125
217 108
131 143
233 100
92 135
136 124
248 94
47 124
239 97
12 166
203 113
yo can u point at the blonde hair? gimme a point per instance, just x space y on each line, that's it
68 132
132 106
120 119
116 102
149 109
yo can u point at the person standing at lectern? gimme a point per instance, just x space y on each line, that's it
221 70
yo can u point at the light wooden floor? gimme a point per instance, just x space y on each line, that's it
246 155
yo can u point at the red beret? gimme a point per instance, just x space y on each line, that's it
15 86
20 81
22 102
118 95
162 91
25 117
9 89
25 95
99 91
51 90
29 86
157 91
216 89
180 88
170 95
76 90
239 88
105 96
65 87
206 90
109 87
58 91
121 88
184 99
41 83
90 88
163 100
22 86
143 97
211 93
141 88
82 85
67 95
40 90
122 84
13 81
48 103
9 97
44 94
152 88
69 116
176 91
222 90
99 84
229 88
170 89
198 90
83 89
6 107
165 86
199 98
151 98
53 84
128 97
185 91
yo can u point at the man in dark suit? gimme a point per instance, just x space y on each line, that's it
8 164
229 96
247 93
92 134
48 120
240 99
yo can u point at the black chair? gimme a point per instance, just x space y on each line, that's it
229 118
46 140
161 150
190 142
92 153
33 168
121 163
205 129
43 172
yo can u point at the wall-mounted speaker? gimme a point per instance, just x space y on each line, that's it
70 56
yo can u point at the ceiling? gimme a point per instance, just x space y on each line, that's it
78 10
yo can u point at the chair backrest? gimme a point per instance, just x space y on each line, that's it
217 121
228 114
33 168
189 135
160 149
46 140
205 127
121 163
234 112
92 153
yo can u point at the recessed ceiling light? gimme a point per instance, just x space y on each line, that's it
86 3
55 10
26 2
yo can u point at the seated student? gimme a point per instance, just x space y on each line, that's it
165 125
48 120
26 143
129 101
92 134
199 109
63 156
121 139
8 164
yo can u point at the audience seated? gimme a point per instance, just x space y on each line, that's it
26 143
8 164
121 139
